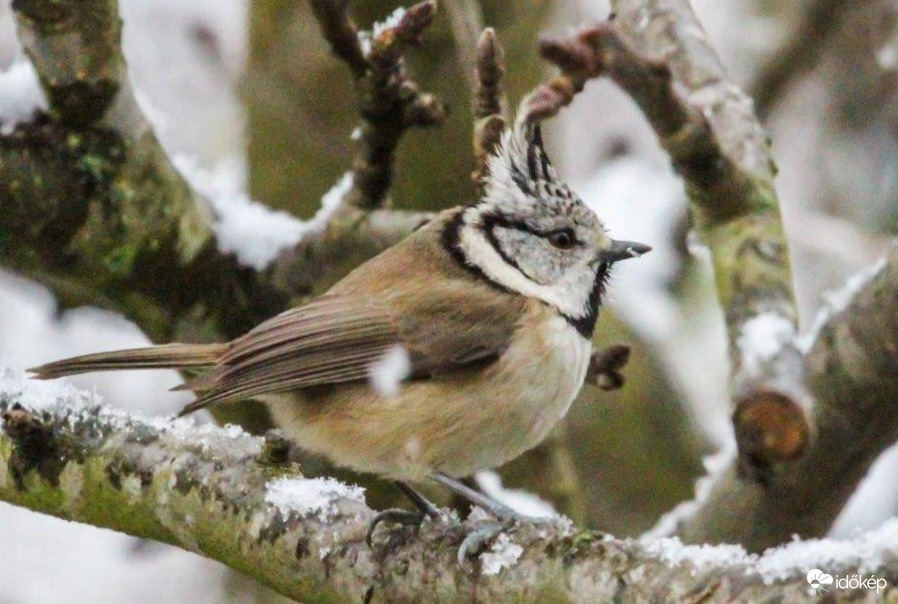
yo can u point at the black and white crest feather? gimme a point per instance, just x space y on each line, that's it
511 236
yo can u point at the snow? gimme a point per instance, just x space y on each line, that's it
306 496
251 230
865 554
49 395
887 56
761 338
874 501
503 553
673 552
836 301
20 95
387 373
862 555
523 502
390 22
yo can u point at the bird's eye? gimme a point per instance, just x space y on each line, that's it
563 239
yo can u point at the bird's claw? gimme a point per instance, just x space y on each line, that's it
399 516
475 542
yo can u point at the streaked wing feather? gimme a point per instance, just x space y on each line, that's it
337 337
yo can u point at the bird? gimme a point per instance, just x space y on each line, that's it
453 351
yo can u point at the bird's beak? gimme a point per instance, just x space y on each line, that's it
621 250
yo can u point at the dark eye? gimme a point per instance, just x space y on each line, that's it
563 239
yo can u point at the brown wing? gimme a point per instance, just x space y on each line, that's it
336 339
413 294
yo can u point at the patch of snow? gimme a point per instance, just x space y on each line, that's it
47 395
523 502
504 553
873 502
251 230
307 496
390 22
761 338
887 56
836 301
387 373
365 42
674 552
20 95
864 554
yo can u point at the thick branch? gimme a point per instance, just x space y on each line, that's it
92 207
220 493
657 52
852 369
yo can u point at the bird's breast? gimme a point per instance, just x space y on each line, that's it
544 369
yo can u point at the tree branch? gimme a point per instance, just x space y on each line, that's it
93 208
223 494
389 101
852 367
490 104
657 52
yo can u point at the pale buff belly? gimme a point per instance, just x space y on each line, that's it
458 425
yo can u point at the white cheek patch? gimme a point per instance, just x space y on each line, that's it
387 373
569 296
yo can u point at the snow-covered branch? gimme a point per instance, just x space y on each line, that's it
657 51
94 208
852 368
232 497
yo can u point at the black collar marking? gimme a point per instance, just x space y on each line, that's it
586 324
451 240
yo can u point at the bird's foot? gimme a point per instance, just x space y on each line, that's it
424 510
478 538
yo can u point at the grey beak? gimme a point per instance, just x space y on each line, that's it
621 250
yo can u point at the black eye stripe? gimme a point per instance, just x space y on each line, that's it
493 220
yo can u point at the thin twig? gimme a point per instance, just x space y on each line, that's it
490 105
389 101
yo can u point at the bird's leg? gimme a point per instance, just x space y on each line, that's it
425 509
499 510
477 539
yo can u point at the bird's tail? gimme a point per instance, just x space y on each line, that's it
166 356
